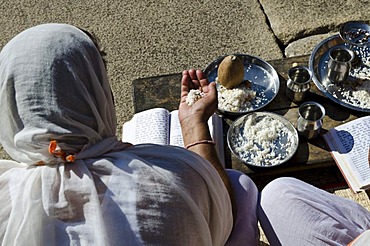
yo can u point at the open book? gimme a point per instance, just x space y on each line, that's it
160 126
349 144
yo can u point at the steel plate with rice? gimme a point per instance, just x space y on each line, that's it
262 139
355 92
263 79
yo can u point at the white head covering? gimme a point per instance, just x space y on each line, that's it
53 86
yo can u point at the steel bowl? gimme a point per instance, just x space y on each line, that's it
245 146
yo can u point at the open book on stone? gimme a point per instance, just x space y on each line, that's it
349 145
160 126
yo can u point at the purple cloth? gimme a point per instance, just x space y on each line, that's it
292 212
245 230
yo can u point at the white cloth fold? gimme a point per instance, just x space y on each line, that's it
295 213
53 86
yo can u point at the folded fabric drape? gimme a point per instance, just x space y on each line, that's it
54 87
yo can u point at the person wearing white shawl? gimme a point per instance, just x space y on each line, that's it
73 183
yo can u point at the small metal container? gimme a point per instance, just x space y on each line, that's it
298 83
339 64
310 119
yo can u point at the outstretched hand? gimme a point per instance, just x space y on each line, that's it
200 111
194 119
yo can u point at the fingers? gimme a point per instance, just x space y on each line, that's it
185 81
212 90
203 81
185 72
212 87
192 74
191 78
200 75
194 79
185 78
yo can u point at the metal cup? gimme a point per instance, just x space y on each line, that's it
339 64
310 119
298 83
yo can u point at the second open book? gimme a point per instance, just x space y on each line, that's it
160 126
349 144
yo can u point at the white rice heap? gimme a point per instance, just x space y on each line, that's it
263 143
193 96
360 95
235 99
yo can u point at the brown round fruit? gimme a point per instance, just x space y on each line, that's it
231 71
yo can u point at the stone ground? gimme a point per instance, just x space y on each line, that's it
150 37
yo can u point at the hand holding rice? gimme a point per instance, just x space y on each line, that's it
193 96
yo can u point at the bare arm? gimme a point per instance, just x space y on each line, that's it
194 119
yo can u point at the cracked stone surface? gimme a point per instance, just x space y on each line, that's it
293 20
305 45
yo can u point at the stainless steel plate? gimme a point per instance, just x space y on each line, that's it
355 33
283 147
263 77
344 94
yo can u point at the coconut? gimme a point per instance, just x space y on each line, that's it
230 72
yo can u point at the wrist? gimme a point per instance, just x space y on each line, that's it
195 132
192 121
211 142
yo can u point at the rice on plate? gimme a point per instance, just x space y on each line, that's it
262 139
237 99
358 95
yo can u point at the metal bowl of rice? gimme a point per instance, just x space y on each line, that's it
262 139
263 86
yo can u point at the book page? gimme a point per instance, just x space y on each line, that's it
159 126
343 163
150 126
353 143
175 129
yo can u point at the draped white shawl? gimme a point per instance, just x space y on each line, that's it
53 86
